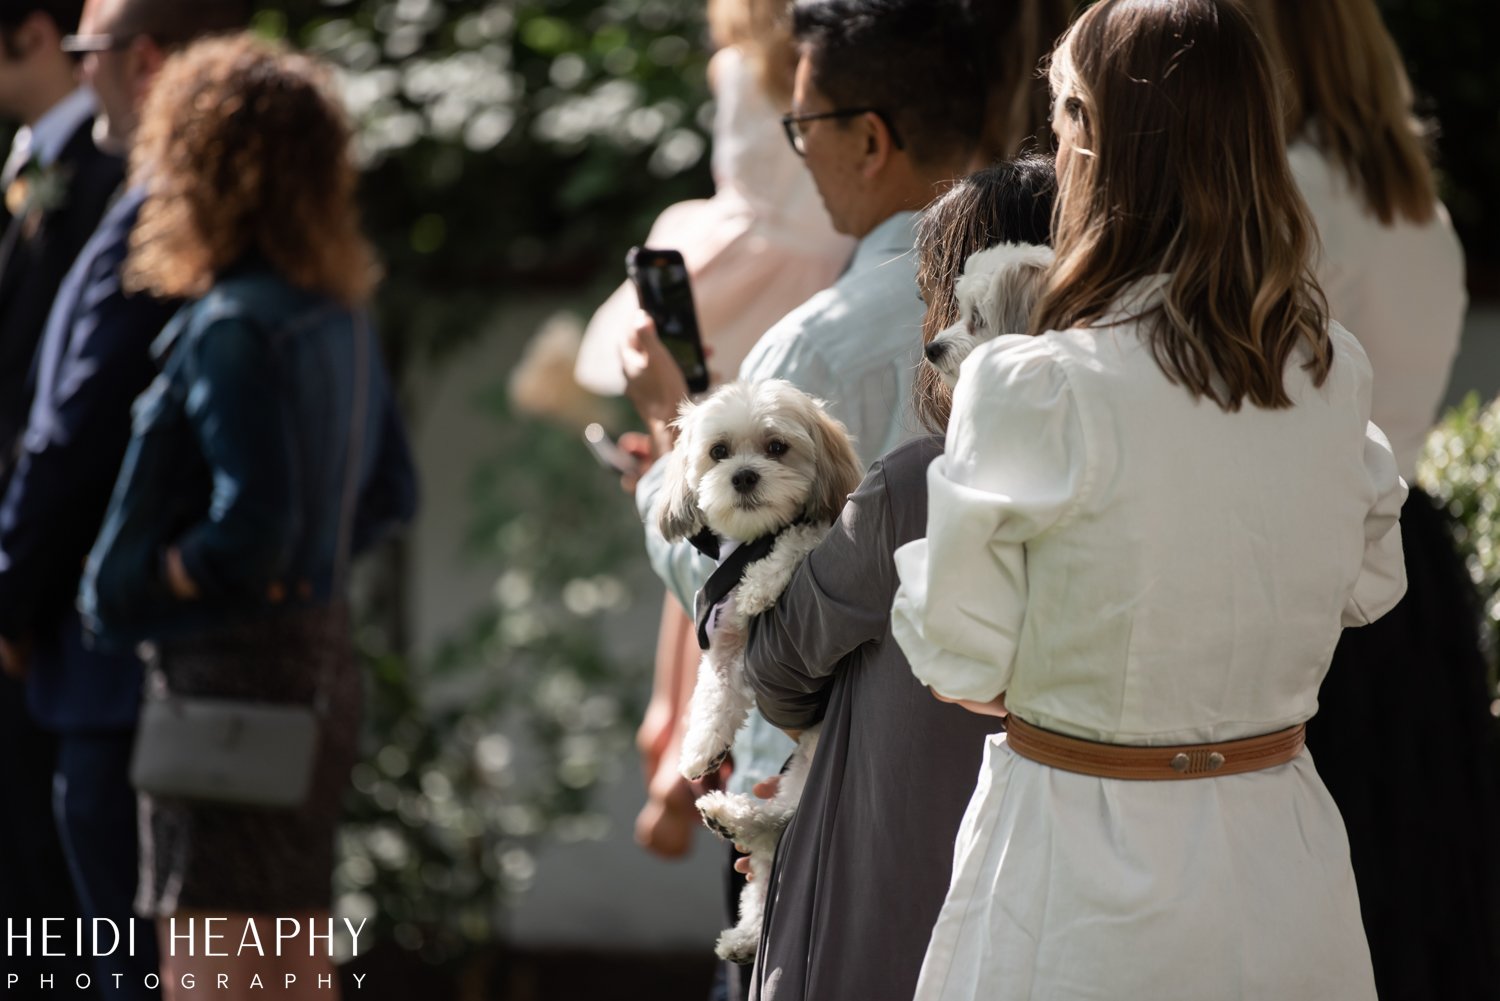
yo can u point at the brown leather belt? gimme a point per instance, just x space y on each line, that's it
1179 761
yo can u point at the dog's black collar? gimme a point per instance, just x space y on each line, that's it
727 576
706 542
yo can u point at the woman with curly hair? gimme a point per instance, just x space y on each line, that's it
266 452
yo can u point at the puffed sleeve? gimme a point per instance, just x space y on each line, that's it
1382 577
1015 467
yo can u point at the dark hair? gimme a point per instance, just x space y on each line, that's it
1012 37
172 24
64 15
1008 203
910 59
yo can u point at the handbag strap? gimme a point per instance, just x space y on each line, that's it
355 445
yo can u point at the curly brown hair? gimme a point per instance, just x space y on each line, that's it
244 151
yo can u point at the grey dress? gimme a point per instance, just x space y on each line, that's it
862 870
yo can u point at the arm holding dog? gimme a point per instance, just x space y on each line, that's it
838 599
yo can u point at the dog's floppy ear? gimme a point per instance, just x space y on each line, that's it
1016 286
677 513
837 470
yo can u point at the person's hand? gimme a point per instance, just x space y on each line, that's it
653 382
15 658
667 823
643 449
178 581
764 789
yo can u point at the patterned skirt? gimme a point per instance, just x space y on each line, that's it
198 855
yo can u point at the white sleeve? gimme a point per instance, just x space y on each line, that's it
1015 467
1382 577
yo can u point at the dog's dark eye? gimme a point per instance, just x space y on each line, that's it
777 448
719 452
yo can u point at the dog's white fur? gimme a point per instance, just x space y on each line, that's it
803 466
996 295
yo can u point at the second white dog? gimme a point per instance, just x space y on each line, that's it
758 476
996 295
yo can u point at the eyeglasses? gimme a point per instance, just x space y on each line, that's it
82 44
792 125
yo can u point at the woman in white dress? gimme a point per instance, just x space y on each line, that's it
1151 522
1419 800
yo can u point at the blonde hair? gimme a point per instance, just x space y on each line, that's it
762 30
1355 98
1180 167
244 150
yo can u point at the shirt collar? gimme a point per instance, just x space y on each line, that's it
43 142
891 239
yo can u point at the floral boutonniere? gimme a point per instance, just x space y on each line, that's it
37 191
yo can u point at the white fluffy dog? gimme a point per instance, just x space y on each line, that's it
996 295
758 476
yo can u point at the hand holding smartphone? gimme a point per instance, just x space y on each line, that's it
661 283
608 452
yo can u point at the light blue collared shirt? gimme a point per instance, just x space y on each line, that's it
855 345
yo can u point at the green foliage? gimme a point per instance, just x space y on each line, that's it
494 747
509 145
1460 468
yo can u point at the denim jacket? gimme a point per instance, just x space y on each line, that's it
238 458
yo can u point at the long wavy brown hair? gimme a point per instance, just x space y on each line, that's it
1179 167
1011 202
1354 98
245 151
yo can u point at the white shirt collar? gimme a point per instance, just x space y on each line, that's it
44 141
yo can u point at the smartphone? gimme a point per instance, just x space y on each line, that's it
610 454
661 282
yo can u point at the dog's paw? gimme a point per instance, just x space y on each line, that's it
700 763
738 945
716 808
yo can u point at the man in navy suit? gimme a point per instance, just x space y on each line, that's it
92 362
57 184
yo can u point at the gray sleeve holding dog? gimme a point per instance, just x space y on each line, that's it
873 836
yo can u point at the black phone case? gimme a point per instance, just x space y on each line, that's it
662 286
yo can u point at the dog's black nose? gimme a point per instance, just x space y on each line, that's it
744 480
935 350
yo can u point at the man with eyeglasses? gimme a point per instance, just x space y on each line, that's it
887 108
93 360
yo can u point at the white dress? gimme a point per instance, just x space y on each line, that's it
1131 566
